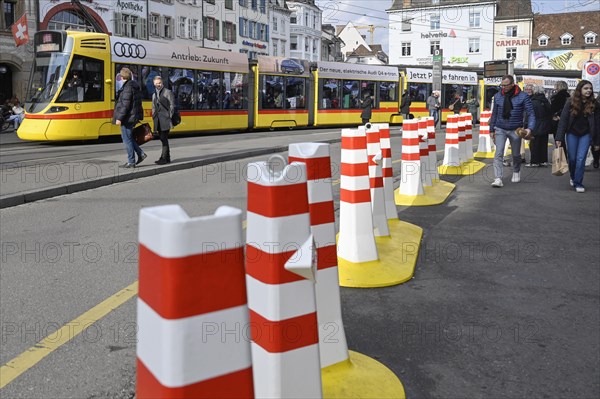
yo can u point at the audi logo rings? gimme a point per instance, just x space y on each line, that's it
129 50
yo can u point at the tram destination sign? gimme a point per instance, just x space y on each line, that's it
494 69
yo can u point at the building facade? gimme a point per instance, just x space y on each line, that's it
331 45
15 62
512 32
352 39
464 29
305 30
279 15
230 25
565 41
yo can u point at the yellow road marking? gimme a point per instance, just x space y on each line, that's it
20 364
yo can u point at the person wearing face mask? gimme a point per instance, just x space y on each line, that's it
163 108
508 112
579 127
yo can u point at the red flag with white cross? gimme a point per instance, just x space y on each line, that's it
19 31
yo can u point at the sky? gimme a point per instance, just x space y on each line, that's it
372 12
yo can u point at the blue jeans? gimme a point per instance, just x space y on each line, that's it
130 145
577 148
436 116
515 145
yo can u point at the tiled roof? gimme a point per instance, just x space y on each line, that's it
513 9
575 23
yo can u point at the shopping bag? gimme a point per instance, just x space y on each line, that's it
590 158
559 162
142 133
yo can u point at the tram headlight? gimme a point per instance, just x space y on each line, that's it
55 108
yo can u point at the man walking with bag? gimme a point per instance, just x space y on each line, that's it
510 106
163 108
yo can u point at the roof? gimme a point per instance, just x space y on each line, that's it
513 9
408 4
575 23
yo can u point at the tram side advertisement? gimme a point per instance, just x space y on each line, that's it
125 50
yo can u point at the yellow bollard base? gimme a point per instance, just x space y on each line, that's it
468 168
484 154
360 377
434 195
397 252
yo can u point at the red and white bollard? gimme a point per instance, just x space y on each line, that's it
469 135
451 148
424 152
410 183
192 310
317 158
485 147
280 274
432 149
387 170
462 140
375 158
356 241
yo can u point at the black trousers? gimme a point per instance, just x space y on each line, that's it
365 121
166 153
538 147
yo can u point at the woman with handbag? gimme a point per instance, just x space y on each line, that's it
128 112
579 126
163 108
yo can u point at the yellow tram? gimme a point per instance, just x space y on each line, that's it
215 90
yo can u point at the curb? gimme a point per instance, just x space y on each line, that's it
70 188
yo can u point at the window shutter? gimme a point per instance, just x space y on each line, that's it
234 34
161 24
117 26
223 32
216 29
267 32
205 28
143 26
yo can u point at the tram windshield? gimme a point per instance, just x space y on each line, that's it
47 75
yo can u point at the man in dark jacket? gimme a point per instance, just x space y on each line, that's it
405 105
510 105
128 112
366 105
163 108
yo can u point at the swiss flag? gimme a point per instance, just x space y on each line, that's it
19 31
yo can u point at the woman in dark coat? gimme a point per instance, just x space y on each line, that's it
367 106
580 127
538 146
128 112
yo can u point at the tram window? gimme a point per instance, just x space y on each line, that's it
294 93
147 80
182 85
135 71
84 81
330 94
350 94
388 91
420 91
490 92
208 90
464 92
368 87
235 86
271 92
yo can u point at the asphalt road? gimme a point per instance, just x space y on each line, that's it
504 303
